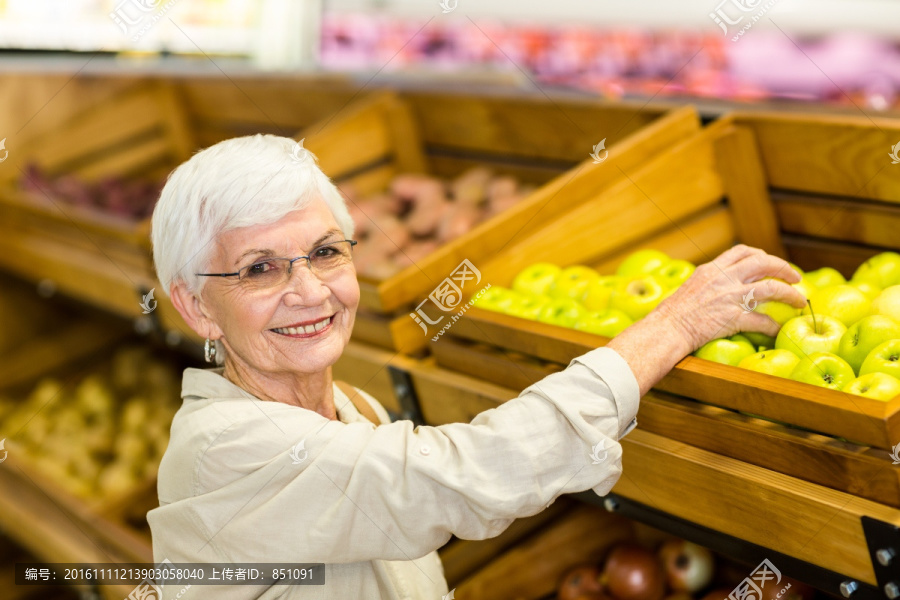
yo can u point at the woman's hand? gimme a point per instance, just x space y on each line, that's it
709 305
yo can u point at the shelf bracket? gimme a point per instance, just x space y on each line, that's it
883 541
405 393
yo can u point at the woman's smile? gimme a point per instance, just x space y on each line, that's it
306 329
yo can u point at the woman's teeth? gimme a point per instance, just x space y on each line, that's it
303 329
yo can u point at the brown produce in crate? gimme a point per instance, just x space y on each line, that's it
419 213
103 437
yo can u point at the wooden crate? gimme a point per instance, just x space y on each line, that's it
540 141
97 257
673 203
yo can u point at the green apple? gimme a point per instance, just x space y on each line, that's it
779 363
728 351
497 299
843 302
561 311
637 297
825 277
674 273
869 289
642 262
888 303
804 287
823 369
884 358
599 291
779 312
804 336
527 306
878 386
536 279
882 270
573 282
608 323
862 337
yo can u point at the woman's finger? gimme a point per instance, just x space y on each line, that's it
775 290
732 256
753 321
754 268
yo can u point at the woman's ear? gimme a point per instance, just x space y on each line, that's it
194 312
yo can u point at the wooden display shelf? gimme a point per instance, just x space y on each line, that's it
721 489
540 142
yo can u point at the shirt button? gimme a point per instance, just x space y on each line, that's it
425 450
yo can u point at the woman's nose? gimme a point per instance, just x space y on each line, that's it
304 285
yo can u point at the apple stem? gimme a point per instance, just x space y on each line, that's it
812 312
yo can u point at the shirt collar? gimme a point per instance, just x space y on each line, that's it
211 384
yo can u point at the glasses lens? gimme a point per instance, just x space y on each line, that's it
266 273
330 257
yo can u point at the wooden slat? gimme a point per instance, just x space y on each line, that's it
641 203
535 127
808 254
857 222
837 155
740 166
534 568
507 369
856 418
857 470
698 239
447 396
798 518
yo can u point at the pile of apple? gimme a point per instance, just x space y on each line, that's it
678 570
579 297
103 436
848 338
419 212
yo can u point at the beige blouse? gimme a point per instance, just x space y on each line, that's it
249 481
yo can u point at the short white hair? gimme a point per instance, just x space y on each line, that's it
245 181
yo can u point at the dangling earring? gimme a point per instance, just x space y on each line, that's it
209 350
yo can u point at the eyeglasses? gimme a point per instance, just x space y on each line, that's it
271 272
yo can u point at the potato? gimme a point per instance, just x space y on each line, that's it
459 220
393 231
426 215
382 269
116 478
471 187
408 185
499 187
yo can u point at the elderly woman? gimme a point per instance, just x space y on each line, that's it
272 461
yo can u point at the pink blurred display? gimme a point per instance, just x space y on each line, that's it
840 68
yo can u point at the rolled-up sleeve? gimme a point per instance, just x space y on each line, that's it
356 492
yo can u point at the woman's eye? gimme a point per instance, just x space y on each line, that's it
259 268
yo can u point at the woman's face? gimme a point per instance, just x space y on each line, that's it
255 322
